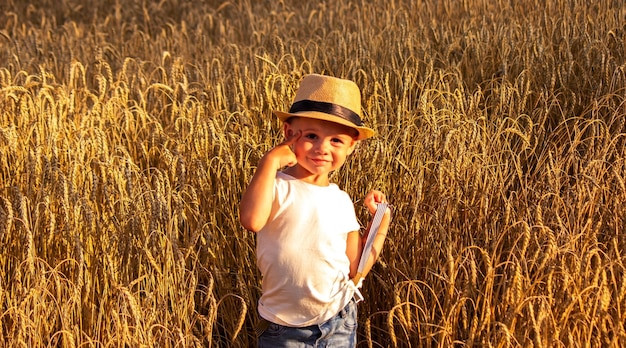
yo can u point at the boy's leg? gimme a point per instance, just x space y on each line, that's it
278 336
340 331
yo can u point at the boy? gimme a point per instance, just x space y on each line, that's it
308 241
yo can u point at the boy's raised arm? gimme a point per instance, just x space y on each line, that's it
256 203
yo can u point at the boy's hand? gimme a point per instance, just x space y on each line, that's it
372 200
282 155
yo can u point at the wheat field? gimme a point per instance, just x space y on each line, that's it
128 130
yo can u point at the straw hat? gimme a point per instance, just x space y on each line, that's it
330 99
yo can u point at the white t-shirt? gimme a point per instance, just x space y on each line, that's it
301 253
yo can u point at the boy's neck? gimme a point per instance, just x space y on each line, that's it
303 175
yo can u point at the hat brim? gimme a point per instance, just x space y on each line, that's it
364 132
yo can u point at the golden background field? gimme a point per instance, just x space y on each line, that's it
128 130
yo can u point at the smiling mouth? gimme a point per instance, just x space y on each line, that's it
318 161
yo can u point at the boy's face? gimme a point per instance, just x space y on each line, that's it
323 146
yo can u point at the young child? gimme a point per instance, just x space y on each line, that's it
308 240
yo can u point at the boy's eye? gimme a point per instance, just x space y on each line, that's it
337 140
310 136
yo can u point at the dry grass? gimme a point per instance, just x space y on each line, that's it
128 130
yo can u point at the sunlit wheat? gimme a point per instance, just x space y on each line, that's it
128 131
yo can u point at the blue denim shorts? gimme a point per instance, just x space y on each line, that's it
338 331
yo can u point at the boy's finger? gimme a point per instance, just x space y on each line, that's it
292 139
295 136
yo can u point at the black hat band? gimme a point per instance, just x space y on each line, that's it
327 108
